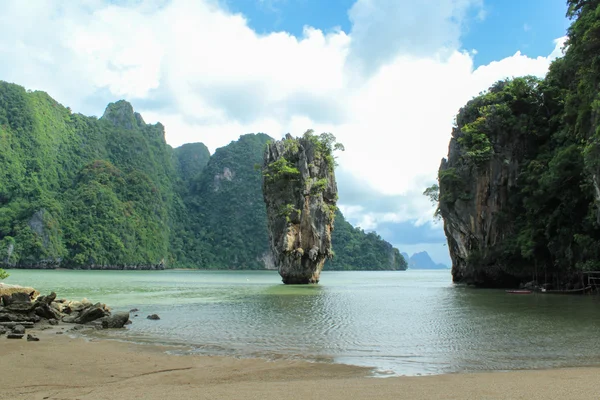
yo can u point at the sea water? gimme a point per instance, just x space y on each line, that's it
397 322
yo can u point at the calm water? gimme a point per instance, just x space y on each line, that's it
407 323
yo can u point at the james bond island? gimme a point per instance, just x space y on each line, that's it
300 193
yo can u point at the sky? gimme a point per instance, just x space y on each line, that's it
386 77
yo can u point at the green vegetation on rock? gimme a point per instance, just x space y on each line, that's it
357 250
520 188
87 192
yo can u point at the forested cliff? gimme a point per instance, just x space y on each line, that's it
520 190
109 193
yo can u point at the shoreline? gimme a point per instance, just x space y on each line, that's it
65 367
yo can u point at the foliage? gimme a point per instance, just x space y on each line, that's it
476 141
3 274
226 218
80 190
84 192
433 193
453 184
281 169
552 217
319 186
287 210
325 144
356 249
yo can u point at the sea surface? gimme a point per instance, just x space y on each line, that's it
398 323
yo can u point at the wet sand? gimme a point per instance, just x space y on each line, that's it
61 367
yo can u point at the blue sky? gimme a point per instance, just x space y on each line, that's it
387 77
504 27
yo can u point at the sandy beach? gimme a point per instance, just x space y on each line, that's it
61 367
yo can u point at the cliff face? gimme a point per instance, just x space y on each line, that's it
226 209
79 191
109 193
519 193
300 193
479 182
473 201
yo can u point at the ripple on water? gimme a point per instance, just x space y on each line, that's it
403 323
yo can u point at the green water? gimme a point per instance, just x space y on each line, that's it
407 323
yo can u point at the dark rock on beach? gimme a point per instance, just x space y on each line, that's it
18 329
14 336
92 313
115 321
21 308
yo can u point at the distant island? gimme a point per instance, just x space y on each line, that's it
422 260
110 193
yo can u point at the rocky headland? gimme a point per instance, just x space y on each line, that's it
300 194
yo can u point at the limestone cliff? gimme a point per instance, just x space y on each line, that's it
300 193
472 201
478 183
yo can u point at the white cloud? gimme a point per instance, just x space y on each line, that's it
208 77
382 29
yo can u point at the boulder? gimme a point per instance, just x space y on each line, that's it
46 299
7 317
8 290
79 305
153 317
47 312
14 336
2 330
20 307
18 329
17 297
12 324
31 338
90 314
18 302
70 319
115 321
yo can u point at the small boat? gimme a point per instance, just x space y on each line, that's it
519 291
569 291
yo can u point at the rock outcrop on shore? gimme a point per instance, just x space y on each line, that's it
300 194
22 307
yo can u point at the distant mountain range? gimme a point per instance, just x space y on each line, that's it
110 193
422 260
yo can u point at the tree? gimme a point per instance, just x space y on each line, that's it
433 192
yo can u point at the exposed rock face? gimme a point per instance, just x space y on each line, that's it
6 289
115 321
300 193
474 199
